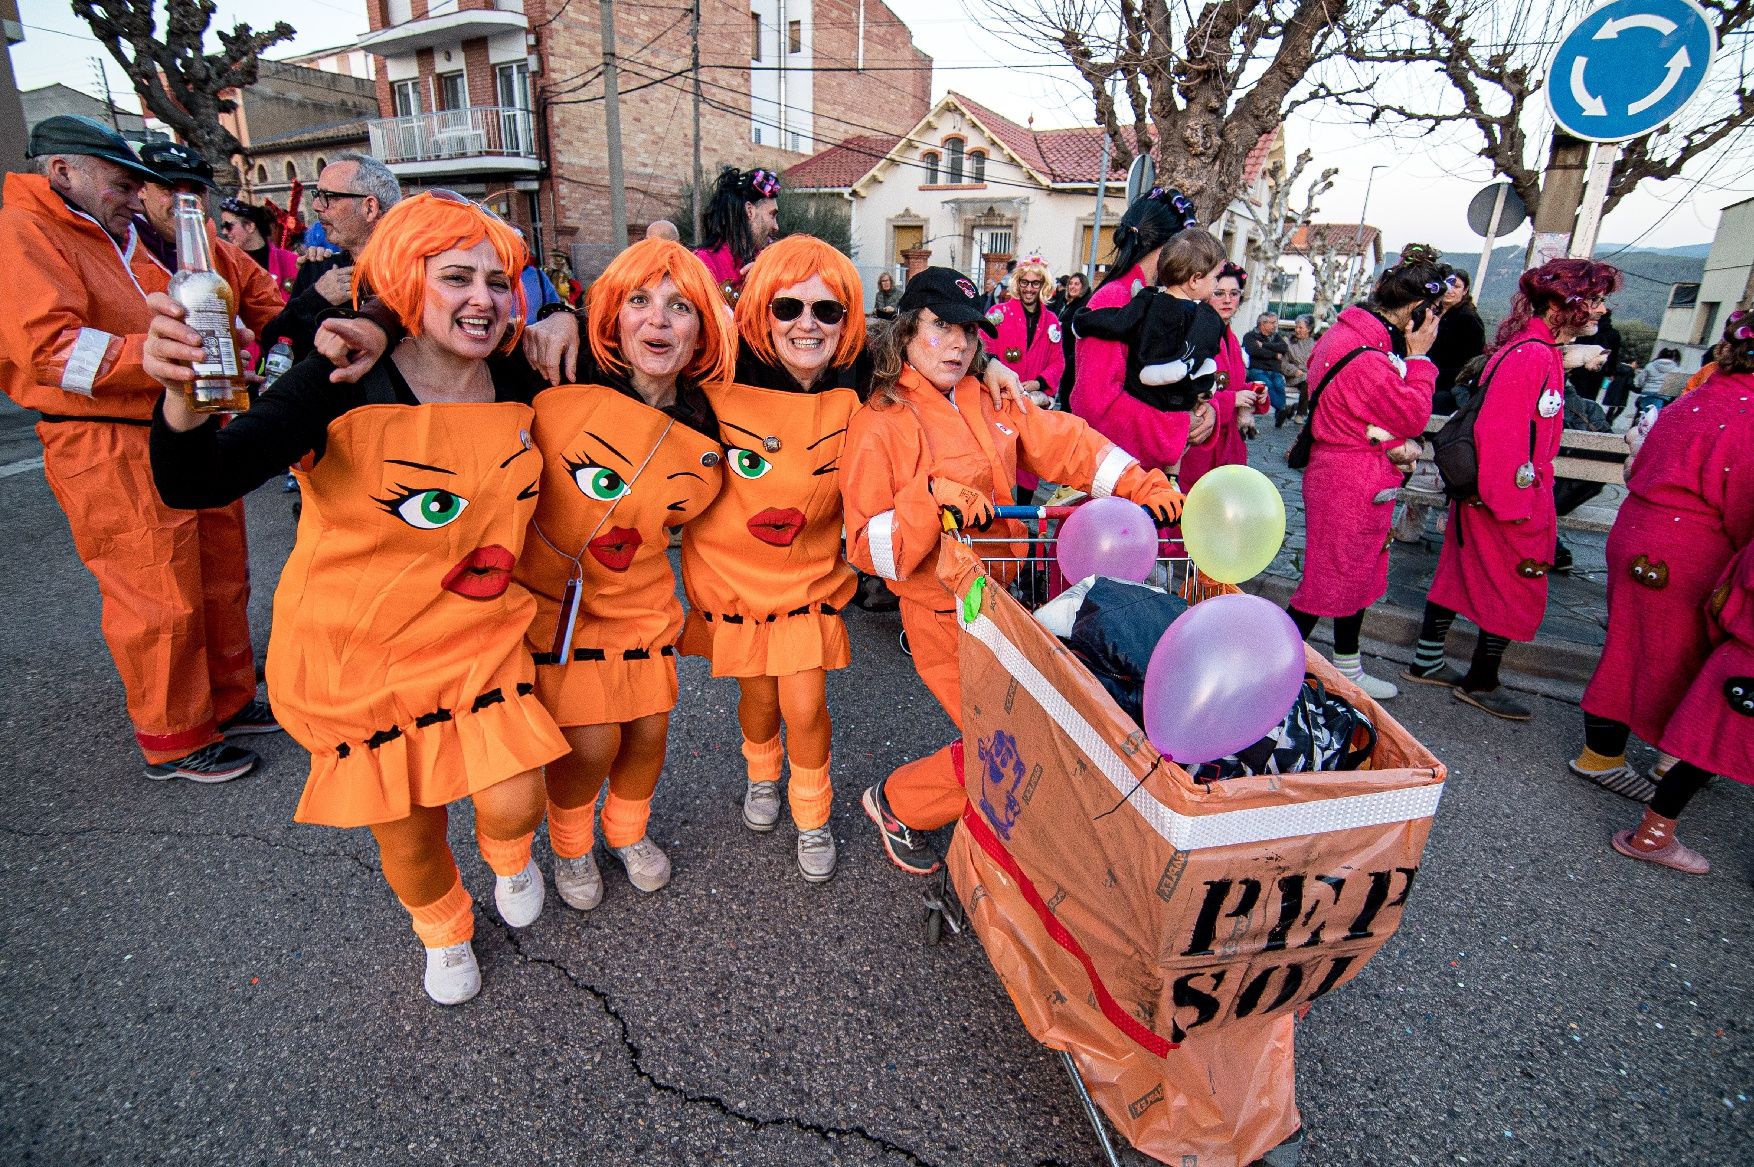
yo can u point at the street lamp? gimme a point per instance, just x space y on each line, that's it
1358 237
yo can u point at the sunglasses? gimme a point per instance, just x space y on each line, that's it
324 197
786 309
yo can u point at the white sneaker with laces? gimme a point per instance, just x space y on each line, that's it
578 881
761 806
648 868
519 897
816 854
452 976
1374 687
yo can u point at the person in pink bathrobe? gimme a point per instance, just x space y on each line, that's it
1499 548
1689 508
1099 395
1233 407
1029 343
1369 412
1712 729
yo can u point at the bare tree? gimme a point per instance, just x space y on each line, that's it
1277 223
1485 68
1340 260
1202 83
178 80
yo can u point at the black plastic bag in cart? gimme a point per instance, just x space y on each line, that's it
1323 731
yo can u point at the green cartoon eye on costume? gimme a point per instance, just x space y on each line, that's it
427 510
598 482
747 463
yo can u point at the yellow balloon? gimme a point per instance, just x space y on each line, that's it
1233 523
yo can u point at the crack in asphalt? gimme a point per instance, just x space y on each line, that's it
635 1059
203 836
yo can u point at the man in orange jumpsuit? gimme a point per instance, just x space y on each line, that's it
174 584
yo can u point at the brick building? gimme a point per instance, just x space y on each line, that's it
503 100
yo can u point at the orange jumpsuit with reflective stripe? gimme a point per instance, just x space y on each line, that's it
174 584
893 527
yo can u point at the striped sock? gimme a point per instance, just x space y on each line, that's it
1349 665
1428 656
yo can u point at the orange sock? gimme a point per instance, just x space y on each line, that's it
764 759
624 819
507 857
572 829
448 920
810 795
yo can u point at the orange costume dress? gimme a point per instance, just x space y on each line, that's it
894 529
175 584
617 475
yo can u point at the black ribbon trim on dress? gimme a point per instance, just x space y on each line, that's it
433 718
734 618
437 717
598 654
491 697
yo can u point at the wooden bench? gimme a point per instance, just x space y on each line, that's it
1584 456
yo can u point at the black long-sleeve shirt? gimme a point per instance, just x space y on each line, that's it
305 308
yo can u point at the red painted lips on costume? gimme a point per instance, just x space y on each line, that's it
777 527
615 547
482 574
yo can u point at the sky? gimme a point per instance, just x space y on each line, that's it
1422 194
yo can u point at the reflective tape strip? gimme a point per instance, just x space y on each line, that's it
880 534
84 361
1108 472
1220 829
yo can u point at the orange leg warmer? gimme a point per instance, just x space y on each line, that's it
811 796
572 829
506 816
625 819
630 755
448 920
418 866
764 758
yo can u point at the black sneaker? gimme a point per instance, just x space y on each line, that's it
255 717
906 847
1496 702
213 763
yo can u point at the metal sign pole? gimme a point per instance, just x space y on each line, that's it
1595 197
1491 238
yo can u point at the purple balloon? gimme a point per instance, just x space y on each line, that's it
1224 674
1108 536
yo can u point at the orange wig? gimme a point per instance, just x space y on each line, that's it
787 264
644 265
392 266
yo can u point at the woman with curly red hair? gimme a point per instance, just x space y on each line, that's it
629 454
397 657
1499 547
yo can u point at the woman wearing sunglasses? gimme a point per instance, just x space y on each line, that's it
398 657
252 228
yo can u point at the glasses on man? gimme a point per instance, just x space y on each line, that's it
1032 283
786 309
322 198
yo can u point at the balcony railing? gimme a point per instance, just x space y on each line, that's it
481 131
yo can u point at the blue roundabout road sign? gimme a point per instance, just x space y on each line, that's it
1628 67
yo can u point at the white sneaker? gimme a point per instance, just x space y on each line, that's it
1374 687
816 855
761 806
648 868
578 881
452 976
519 897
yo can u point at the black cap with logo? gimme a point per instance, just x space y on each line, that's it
950 295
173 162
72 134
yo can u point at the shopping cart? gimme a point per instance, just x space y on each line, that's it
1161 934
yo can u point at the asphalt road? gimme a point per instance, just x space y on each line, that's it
191 978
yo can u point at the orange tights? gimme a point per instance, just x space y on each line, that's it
800 700
420 869
631 756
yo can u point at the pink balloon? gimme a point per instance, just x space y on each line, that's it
1224 675
1108 536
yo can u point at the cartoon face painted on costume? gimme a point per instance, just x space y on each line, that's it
616 474
782 457
1551 402
441 495
1739 692
1651 574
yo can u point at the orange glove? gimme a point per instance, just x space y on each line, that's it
967 506
1163 504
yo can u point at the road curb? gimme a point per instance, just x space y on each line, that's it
1546 659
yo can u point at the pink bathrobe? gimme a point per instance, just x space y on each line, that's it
1689 506
1044 360
1099 396
1225 447
1349 486
1493 547
1713 727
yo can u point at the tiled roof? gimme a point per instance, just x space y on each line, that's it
1340 238
838 167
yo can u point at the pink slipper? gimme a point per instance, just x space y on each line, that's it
1676 854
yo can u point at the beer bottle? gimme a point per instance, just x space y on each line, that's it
210 307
